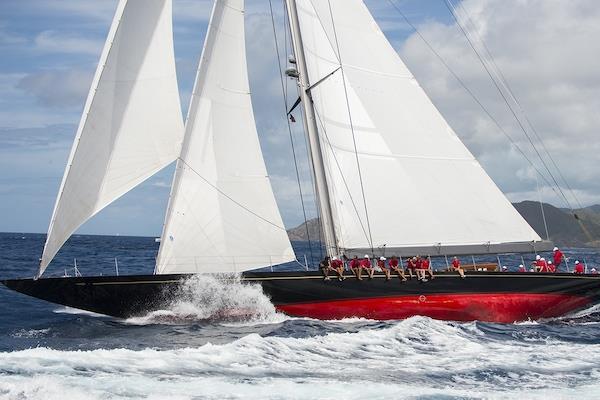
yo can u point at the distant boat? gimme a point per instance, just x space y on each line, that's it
391 176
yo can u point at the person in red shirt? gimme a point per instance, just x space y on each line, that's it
411 266
456 267
522 268
542 265
419 269
397 268
551 267
365 264
578 268
426 266
355 266
337 266
558 257
383 268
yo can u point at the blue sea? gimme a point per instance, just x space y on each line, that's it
49 351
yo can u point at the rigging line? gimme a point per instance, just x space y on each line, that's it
342 174
474 97
452 11
283 91
314 186
362 187
504 81
229 197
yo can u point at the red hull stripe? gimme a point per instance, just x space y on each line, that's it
491 307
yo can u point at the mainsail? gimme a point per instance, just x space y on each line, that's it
399 178
222 215
131 125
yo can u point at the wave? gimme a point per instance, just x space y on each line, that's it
410 358
204 298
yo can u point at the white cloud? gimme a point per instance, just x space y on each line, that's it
56 42
58 88
548 51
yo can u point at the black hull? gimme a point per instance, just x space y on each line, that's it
488 296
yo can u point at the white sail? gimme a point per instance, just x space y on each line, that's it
222 215
131 126
423 190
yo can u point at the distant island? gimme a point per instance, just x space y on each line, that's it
563 227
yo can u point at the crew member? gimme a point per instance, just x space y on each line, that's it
395 266
382 267
594 271
419 269
337 266
457 268
550 267
324 268
558 257
355 267
411 265
365 264
578 268
542 265
426 266
522 268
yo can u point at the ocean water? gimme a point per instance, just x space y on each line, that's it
53 352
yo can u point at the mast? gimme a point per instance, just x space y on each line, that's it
312 131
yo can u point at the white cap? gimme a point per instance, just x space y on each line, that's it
334 258
554 249
382 258
537 257
549 262
521 266
593 269
505 267
366 256
576 262
542 259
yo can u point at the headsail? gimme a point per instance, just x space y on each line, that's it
131 126
222 215
398 175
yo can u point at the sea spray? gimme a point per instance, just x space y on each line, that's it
214 298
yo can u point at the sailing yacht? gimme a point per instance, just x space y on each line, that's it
383 159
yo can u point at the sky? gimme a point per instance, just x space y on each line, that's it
548 51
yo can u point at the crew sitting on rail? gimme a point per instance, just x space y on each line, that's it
394 266
558 257
594 271
411 266
337 266
324 268
578 268
365 263
427 267
419 269
504 268
383 268
542 265
551 267
522 268
355 266
456 267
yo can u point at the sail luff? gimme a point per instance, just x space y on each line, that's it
131 126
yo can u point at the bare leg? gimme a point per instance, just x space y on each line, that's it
358 276
431 273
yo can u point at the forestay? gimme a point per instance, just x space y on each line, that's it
131 125
222 215
423 190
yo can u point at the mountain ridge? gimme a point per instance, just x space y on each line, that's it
564 228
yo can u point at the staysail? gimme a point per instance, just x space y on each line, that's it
131 125
399 178
222 215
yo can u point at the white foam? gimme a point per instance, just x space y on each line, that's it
415 357
77 311
205 297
